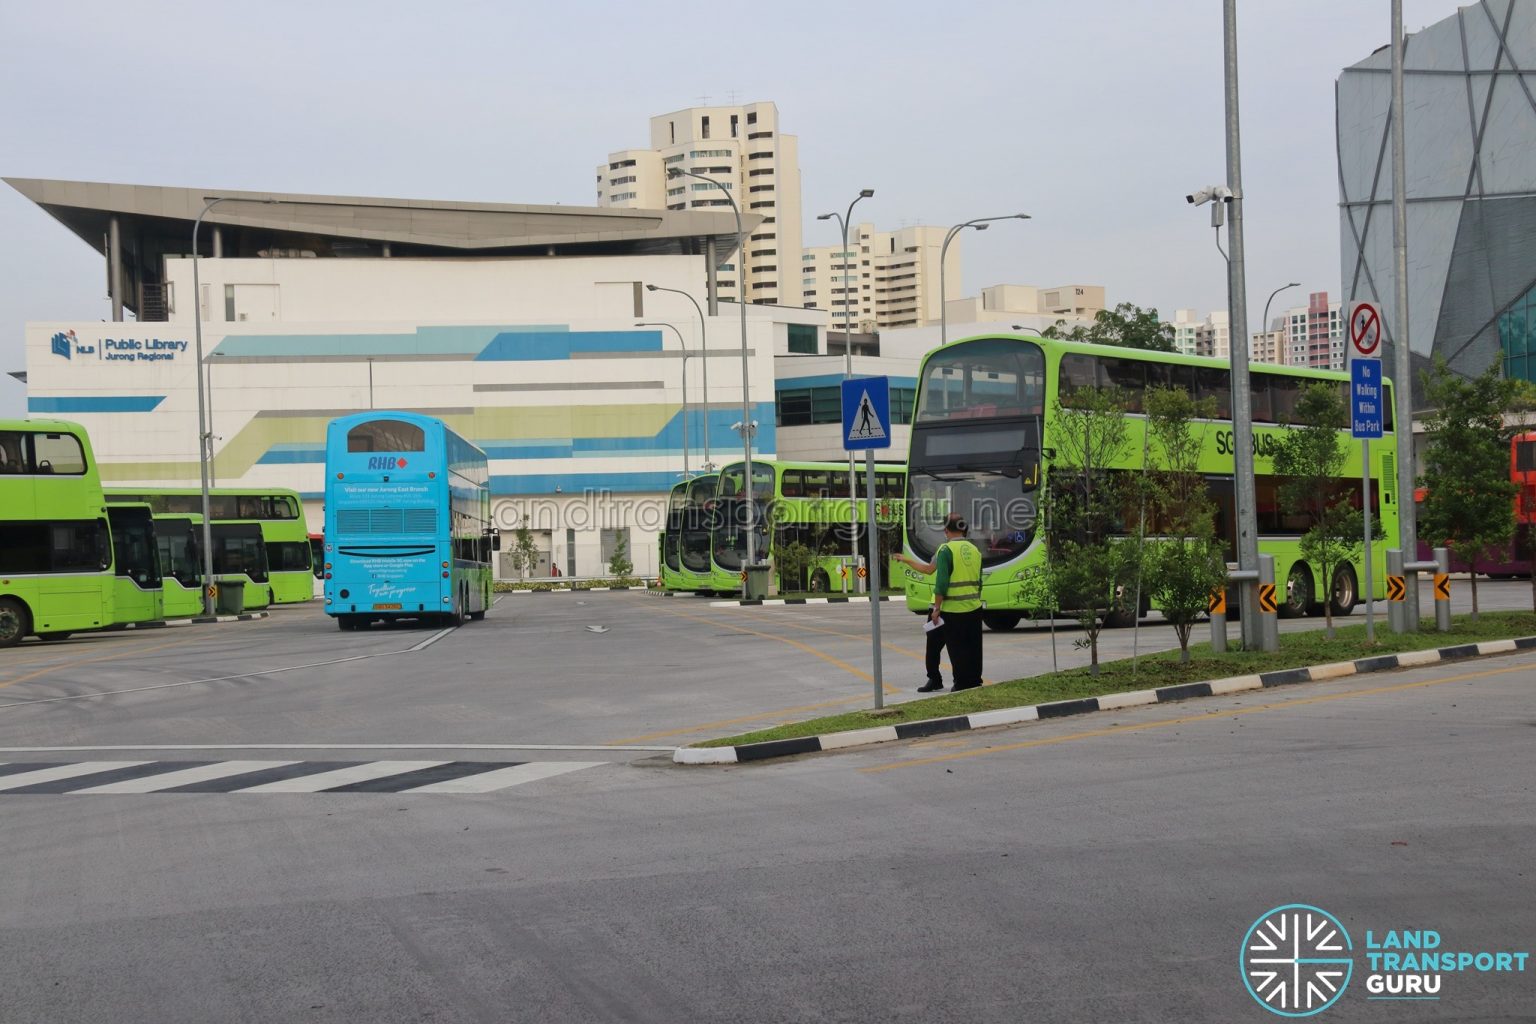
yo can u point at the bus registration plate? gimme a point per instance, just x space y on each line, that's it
387 607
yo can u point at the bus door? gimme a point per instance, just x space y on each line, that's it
137 594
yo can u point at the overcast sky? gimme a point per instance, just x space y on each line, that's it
1096 119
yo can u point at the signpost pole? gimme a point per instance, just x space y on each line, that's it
874 573
867 426
1365 483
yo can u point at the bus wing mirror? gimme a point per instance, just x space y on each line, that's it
495 540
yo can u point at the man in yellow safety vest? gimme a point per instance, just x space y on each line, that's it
956 612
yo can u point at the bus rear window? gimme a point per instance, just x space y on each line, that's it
386 436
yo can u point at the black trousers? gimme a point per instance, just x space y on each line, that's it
963 637
936 640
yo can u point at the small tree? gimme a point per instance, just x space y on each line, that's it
1089 572
1187 565
1127 324
792 560
618 563
1310 456
1470 504
525 553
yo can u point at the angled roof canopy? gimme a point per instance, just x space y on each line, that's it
156 221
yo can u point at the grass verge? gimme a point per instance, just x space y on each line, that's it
1151 671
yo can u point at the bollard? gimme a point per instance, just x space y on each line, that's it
1397 592
1443 589
1269 619
1216 605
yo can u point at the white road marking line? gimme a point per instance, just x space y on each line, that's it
242 675
63 771
503 778
338 746
429 641
185 777
341 777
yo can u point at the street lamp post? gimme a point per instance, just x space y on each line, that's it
703 358
687 474
204 437
746 394
1265 323
843 221
980 224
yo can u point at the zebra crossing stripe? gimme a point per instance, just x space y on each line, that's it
507 777
341 777
105 778
59 772
182 775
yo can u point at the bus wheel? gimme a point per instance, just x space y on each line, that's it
1001 622
349 622
56 635
820 581
13 622
1345 590
1298 592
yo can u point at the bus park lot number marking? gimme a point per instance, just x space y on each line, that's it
1396 591
1364 327
1442 586
1217 604
1267 598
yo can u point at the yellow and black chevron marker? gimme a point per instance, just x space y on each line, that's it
1396 591
1267 598
1442 586
1217 604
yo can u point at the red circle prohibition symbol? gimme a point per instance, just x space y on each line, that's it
1367 324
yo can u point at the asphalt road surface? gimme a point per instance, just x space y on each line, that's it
290 823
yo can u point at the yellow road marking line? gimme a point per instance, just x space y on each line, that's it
87 661
1206 716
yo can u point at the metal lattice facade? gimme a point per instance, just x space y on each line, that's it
1470 139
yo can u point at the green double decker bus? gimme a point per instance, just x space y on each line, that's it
684 542
806 503
258 534
56 574
982 444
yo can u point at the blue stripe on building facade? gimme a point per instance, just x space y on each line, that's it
725 446
95 403
546 345
832 380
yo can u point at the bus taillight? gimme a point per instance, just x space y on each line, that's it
445 575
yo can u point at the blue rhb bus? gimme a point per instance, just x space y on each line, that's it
407 521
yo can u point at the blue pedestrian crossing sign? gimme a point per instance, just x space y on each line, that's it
1366 396
866 413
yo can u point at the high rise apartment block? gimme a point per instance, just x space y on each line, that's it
742 148
1315 334
883 279
1207 336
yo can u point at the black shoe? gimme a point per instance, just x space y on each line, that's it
930 687
968 686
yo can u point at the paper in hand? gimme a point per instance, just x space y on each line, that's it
933 624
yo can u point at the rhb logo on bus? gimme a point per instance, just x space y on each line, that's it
386 462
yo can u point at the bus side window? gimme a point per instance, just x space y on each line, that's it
1215 384
1077 371
1262 403
1129 377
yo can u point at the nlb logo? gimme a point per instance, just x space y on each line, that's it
1296 960
386 462
65 344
